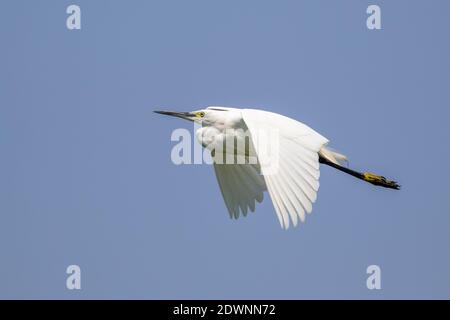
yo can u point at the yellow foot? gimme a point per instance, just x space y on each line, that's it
380 181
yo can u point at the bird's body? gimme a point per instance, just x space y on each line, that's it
256 151
218 125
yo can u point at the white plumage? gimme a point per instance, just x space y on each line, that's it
291 177
293 187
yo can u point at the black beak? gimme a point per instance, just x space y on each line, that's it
182 115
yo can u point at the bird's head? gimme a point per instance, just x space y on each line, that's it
206 116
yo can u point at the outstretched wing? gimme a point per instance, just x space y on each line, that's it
294 184
241 185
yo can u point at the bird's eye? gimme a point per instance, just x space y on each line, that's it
200 114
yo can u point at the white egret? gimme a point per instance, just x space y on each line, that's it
293 185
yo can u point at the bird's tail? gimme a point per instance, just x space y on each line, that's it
332 155
334 159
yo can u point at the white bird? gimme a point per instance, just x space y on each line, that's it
291 177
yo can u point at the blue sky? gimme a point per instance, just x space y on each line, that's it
85 170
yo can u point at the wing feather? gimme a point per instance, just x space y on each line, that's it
226 189
241 185
293 187
277 201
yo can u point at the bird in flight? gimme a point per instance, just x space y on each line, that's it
276 154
